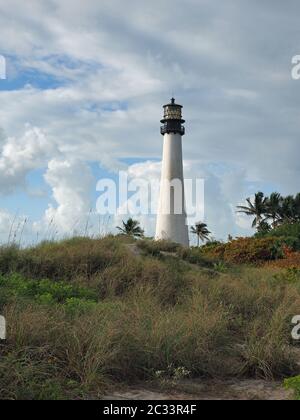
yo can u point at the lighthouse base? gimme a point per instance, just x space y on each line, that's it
172 228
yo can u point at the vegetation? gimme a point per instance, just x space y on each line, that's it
271 212
247 250
290 232
84 315
256 209
131 228
293 384
200 229
155 248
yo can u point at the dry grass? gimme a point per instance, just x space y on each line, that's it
144 315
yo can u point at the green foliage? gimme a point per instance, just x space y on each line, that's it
154 248
201 231
276 250
294 385
263 227
75 306
275 209
255 209
288 233
220 267
43 291
212 244
196 256
131 228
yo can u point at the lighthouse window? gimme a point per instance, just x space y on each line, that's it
173 113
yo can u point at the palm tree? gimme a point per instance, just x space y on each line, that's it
288 211
131 228
264 227
256 209
273 207
200 229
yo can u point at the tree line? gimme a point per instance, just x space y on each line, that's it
272 211
268 212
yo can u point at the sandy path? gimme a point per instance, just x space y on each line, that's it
208 390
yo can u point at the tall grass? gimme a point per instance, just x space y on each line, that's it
84 314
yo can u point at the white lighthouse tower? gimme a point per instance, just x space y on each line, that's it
171 219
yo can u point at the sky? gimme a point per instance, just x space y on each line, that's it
86 81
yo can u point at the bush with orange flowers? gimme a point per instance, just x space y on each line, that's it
247 250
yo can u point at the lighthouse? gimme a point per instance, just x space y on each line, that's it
171 218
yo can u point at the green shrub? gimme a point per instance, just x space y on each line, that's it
294 385
220 267
196 256
154 248
211 245
79 306
289 233
16 286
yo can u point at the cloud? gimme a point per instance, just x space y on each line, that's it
228 64
19 156
71 183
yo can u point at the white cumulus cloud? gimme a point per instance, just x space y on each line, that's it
71 183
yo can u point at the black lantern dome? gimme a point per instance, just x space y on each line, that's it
172 121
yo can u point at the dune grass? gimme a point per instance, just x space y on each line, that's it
84 315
